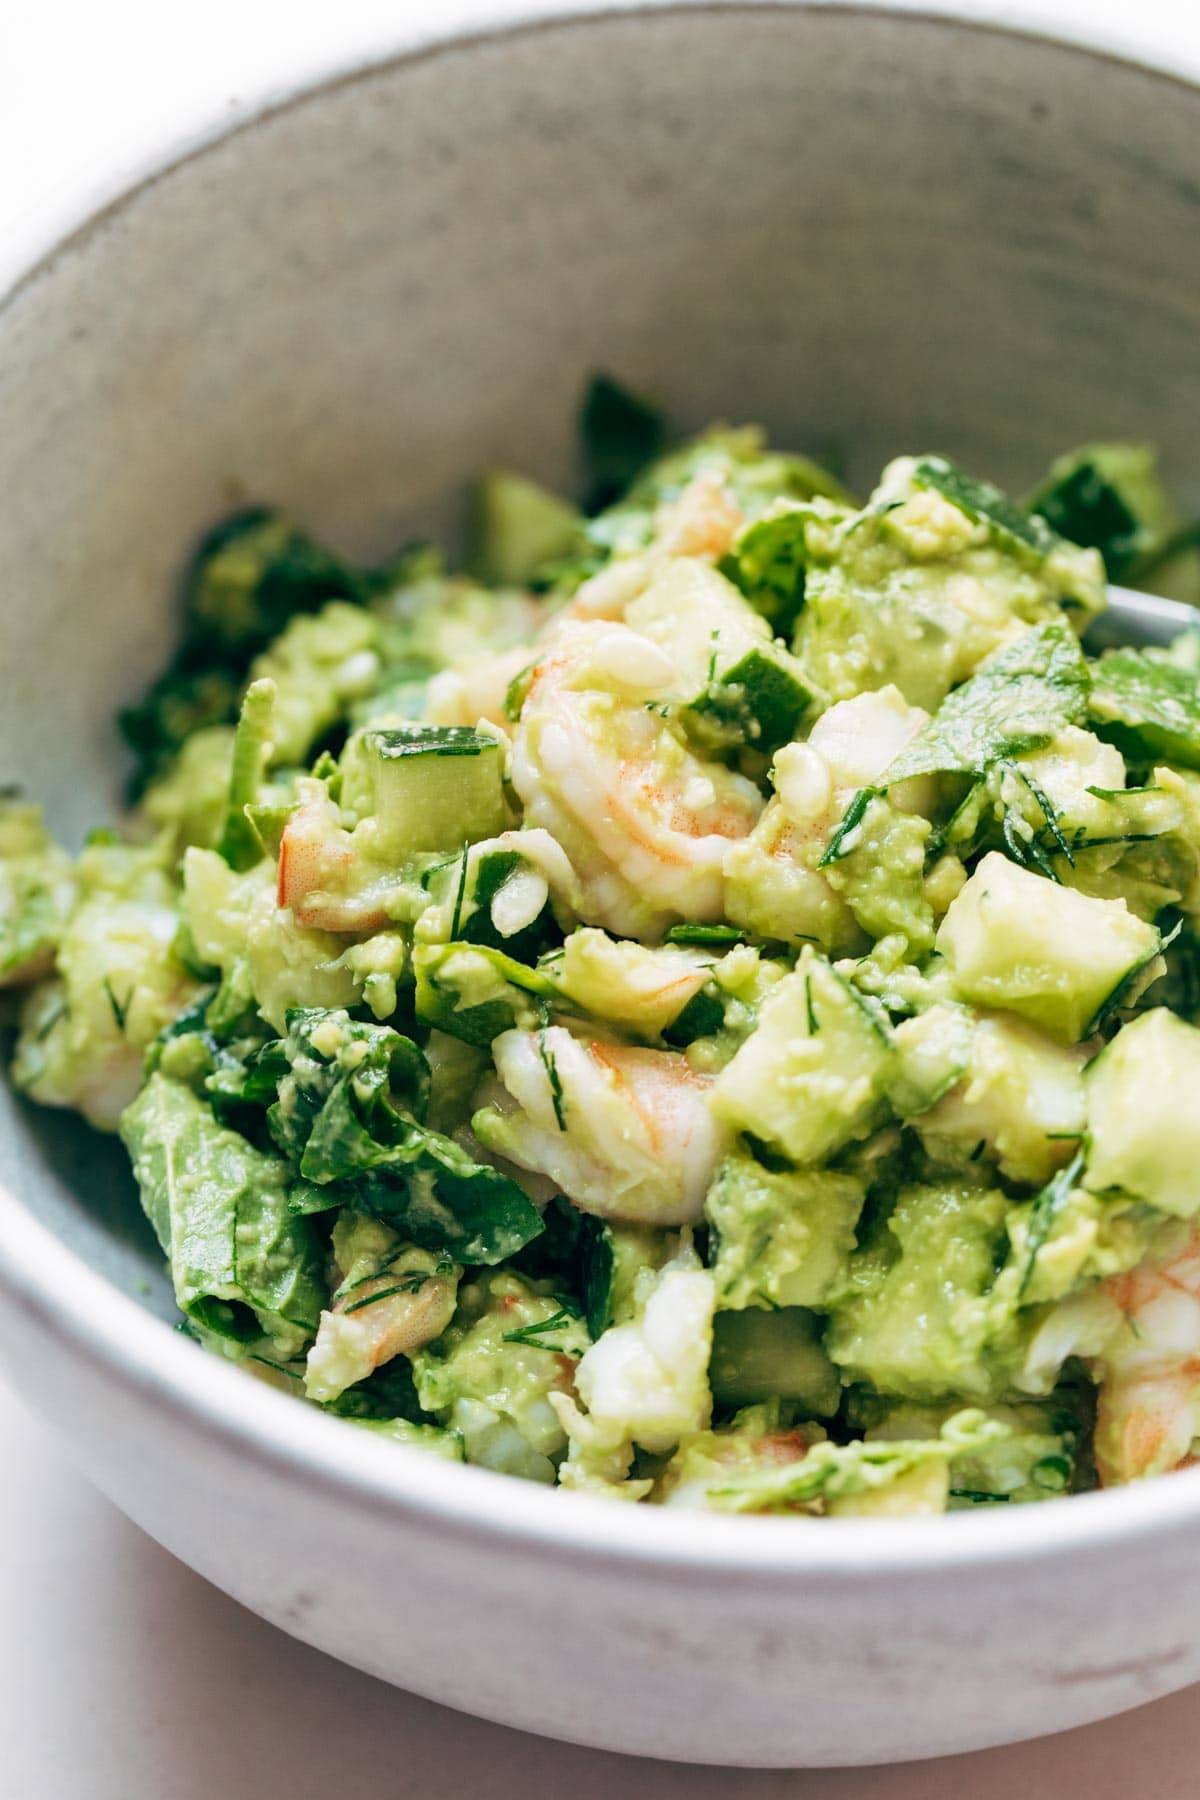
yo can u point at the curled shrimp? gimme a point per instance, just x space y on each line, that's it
701 521
645 823
625 1133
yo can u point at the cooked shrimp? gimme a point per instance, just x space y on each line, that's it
716 1457
1139 1334
849 747
643 1383
391 1311
1148 1414
645 823
476 690
701 521
625 1133
321 878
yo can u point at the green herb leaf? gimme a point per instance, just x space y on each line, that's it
534 1336
1148 707
1047 1207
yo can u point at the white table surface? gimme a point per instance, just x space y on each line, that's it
122 1675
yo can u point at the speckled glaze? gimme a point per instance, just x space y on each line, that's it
872 229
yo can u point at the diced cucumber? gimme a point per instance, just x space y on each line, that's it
1017 941
474 992
759 700
1110 497
1021 1100
759 1355
517 528
427 787
1143 1117
744 687
932 1053
812 1077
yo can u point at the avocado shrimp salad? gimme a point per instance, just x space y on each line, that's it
700 1009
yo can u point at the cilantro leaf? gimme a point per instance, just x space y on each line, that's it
1147 706
1020 699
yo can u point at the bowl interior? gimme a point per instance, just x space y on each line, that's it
868 232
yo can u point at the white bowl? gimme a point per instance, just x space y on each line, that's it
885 231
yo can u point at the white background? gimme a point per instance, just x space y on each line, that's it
123 1676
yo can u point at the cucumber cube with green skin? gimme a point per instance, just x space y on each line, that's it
744 687
759 1355
426 787
1143 1118
518 528
1110 497
1021 943
812 1078
1148 707
759 701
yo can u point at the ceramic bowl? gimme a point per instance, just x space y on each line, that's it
869 230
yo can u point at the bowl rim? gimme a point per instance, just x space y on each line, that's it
69 217
179 1382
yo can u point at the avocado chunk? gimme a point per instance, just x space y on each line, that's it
812 1077
918 1322
784 1236
1017 941
1143 1119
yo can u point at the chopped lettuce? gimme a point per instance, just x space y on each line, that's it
243 1265
349 1116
